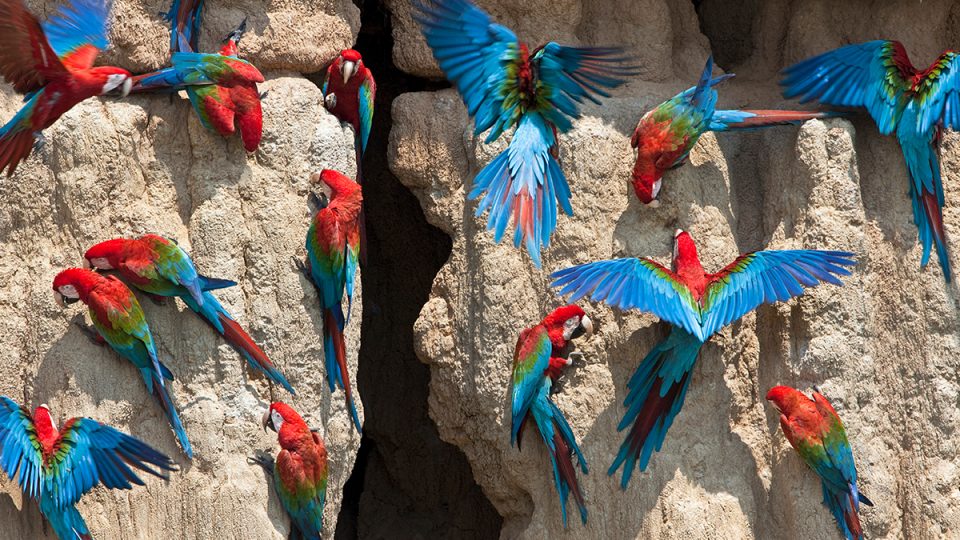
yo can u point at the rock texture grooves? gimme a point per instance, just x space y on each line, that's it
884 348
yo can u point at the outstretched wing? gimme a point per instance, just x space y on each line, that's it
20 450
867 75
530 361
78 32
479 56
938 94
26 59
88 453
569 75
634 284
763 277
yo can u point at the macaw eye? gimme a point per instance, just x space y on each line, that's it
570 326
69 291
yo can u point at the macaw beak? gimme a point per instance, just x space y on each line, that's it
348 69
237 32
266 421
585 328
86 263
127 85
62 300
330 102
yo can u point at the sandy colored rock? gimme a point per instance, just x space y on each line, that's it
298 35
123 168
884 348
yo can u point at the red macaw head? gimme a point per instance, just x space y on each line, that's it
333 183
567 323
684 251
288 425
348 63
787 400
74 284
113 78
105 255
233 39
647 186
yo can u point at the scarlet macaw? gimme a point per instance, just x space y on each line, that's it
53 65
349 91
916 104
505 85
539 359
666 134
697 305
57 468
160 267
333 255
120 322
814 429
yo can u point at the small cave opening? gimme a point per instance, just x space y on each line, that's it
406 481
728 25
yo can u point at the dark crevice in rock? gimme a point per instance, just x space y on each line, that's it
406 482
717 17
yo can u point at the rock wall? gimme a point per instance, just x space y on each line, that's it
884 348
115 168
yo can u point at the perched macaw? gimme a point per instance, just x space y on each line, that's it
538 361
666 134
300 470
57 468
120 322
505 85
222 89
697 305
348 93
916 104
53 65
815 431
160 267
333 254
184 18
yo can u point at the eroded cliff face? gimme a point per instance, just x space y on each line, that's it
115 168
884 348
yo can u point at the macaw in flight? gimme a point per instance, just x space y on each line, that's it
916 104
52 63
506 85
697 305
57 467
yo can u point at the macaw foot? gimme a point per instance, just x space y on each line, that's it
576 357
157 299
303 268
264 460
264 94
39 141
91 334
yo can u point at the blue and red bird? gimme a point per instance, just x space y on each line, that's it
57 467
506 85
333 255
916 104
538 361
666 134
815 431
349 92
697 305
52 64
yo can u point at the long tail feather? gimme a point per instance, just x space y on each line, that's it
754 119
166 402
844 510
926 192
335 352
256 358
66 522
657 390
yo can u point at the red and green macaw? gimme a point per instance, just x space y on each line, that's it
300 470
348 93
916 104
666 134
697 305
222 89
120 322
816 432
57 468
541 354
333 254
505 85
184 18
160 267
52 64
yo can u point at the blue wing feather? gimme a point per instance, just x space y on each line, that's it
79 23
528 375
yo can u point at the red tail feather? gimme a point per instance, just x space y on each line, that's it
238 337
564 457
15 149
771 118
654 409
852 518
932 209
339 346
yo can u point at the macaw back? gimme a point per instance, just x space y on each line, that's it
300 478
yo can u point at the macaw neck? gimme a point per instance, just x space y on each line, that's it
294 435
46 432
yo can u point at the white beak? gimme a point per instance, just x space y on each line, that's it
347 68
59 298
587 325
127 85
654 203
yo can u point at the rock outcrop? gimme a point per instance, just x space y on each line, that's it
884 348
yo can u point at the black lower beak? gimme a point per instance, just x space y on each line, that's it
68 301
580 331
